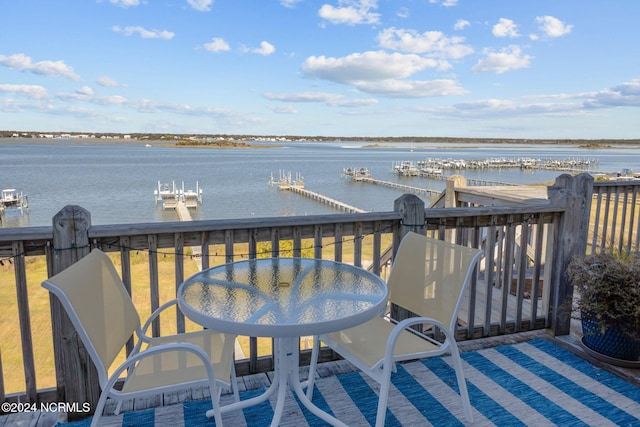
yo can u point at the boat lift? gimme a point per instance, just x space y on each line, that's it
10 198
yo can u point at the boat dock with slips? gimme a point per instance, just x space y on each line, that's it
297 186
407 188
363 175
286 181
172 197
10 198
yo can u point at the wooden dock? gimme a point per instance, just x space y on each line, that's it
406 188
172 197
336 204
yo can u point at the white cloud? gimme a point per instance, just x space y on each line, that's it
217 45
505 28
622 95
625 94
143 32
265 49
330 99
403 12
85 90
461 24
430 42
445 3
289 3
509 58
21 62
283 109
351 12
201 5
86 94
366 66
125 3
322 97
30 91
107 81
504 108
553 27
412 88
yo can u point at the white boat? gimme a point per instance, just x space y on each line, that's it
191 198
10 197
167 194
286 182
170 195
406 168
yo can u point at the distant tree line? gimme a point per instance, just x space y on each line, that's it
230 140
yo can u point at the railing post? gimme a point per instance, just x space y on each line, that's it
76 376
571 238
412 209
450 195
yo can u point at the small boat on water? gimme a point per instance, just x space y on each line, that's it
191 198
169 195
10 197
286 181
356 174
406 168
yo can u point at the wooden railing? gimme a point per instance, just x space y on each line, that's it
615 217
520 284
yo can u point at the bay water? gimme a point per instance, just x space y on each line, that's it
116 181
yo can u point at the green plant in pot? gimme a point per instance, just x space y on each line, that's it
607 288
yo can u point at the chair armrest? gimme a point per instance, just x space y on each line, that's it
406 324
156 313
163 348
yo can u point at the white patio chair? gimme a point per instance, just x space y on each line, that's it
104 317
428 277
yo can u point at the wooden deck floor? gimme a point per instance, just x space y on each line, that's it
251 382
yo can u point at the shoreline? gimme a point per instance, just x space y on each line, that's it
374 143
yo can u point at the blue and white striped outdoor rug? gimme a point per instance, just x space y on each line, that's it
534 383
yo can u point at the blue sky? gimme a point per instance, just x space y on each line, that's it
451 68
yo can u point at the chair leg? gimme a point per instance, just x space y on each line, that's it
383 397
462 383
234 383
215 403
315 351
97 414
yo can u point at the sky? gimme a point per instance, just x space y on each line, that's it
439 68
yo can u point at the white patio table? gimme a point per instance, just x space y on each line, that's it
283 298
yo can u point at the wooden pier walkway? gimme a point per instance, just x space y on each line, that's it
323 199
408 188
185 215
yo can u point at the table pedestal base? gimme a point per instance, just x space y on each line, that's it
287 373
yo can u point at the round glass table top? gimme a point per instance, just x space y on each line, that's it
282 297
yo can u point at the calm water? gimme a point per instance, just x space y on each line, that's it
116 182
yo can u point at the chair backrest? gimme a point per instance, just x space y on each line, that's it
429 276
98 305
